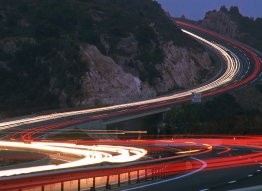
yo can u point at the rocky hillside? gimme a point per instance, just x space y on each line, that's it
233 24
71 53
244 29
220 21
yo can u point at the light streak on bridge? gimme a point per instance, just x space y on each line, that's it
232 69
235 76
92 155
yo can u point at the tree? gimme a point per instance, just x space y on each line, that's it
223 9
183 16
234 10
182 119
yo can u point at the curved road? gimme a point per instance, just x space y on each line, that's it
243 67
216 170
238 167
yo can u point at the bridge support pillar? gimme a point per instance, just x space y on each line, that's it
62 186
137 173
167 171
42 188
108 186
79 185
118 180
94 185
145 174
152 174
129 181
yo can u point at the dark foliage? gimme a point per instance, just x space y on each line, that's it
221 115
58 28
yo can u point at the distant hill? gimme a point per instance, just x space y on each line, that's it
230 22
47 61
233 24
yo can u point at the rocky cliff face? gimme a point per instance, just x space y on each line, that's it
181 67
221 22
107 83
98 53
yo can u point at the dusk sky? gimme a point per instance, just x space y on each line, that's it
196 9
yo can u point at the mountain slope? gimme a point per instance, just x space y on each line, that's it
244 29
233 24
47 61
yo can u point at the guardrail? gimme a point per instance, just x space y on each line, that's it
157 168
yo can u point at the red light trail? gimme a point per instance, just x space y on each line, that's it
157 164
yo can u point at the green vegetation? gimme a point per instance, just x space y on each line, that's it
39 50
222 115
181 120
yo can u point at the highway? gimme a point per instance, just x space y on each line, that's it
222 167
90 155
242 68
226 167
217 163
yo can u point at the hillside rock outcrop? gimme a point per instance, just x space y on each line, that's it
181 67
107 83
98 53
220 22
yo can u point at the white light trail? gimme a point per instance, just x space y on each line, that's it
92 155
233 66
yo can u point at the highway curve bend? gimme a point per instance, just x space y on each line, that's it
242 68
